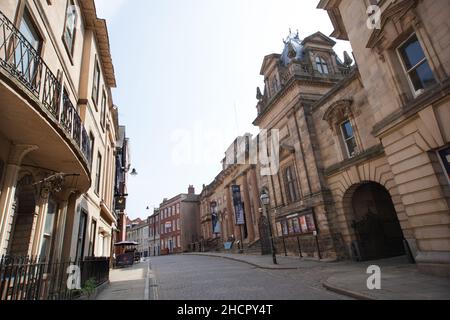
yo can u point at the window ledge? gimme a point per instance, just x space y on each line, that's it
361 157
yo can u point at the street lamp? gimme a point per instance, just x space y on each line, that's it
265 200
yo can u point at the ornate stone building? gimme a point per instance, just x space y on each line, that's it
58 130
364 149
217 206
301 202
398 104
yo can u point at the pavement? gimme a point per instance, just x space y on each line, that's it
127 283
400 280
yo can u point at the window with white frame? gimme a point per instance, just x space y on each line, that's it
348 135
416 66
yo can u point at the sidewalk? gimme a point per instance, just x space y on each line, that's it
126 283
399 279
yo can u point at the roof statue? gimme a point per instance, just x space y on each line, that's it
347 60
293 48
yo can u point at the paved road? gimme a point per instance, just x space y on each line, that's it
207 278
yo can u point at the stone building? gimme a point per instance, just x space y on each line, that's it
398 104
58 130
218 207
364 149
179 222
301 202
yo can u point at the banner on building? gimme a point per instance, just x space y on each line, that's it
215 218
237 203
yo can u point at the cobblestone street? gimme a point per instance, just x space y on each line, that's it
185 277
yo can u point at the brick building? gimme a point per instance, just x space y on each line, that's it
179 222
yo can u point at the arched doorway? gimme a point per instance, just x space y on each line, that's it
24 213
375 222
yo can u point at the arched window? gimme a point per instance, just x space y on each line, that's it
322 65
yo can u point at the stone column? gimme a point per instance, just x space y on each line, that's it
247 208
16 155
256 201
61 222
233 226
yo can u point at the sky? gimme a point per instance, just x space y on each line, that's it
187 72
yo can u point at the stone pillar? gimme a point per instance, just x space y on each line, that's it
233 226
247 208
256 201
17 153
61 222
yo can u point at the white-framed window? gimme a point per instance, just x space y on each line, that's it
178 224
322 65
348 136
415 64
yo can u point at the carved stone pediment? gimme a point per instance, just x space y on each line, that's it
395 10
286 150
338 111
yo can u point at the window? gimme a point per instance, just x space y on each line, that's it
47 236
322 66
92 238
275 85
91 146
70 27
103 111
179 241
444 156
416 65
178 224
25 59
81 235
349 138
98 174
96 83
291 184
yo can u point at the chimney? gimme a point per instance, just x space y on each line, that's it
191 189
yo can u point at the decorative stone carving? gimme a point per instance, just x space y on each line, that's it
338 111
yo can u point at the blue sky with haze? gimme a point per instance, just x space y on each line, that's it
187 72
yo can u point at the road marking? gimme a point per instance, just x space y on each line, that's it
150 282
147 282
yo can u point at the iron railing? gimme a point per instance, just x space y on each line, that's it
24 63
24 278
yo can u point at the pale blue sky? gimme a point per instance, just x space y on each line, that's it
187 72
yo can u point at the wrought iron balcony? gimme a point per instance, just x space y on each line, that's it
23 63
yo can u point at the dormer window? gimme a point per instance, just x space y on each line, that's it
275 85
322 65
349 138
416 65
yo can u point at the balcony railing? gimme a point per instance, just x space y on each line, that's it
23 63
